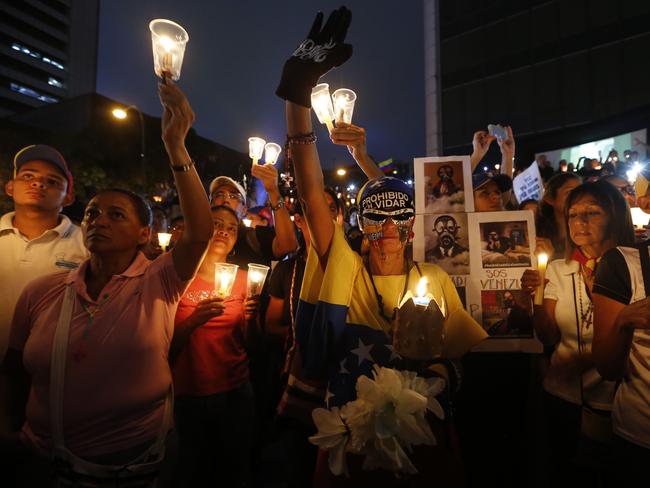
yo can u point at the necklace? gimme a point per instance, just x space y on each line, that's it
81 352
586 316
380 299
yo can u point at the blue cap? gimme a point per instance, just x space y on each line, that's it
503 182
387 194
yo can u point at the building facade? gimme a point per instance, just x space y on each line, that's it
48 51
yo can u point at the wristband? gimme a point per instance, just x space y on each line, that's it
302 139
182 168
278 206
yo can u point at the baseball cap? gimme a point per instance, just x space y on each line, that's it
225 180
503 182
41 152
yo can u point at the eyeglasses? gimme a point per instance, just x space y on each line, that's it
225 195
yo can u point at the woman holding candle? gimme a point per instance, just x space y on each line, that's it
347 304
87 364
214 397
597 218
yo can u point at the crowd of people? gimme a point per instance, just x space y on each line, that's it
121 366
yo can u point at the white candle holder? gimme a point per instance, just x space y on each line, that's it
256 148
271 152
321 102
344 100
168 40
163 240
224 278
639 218
255 280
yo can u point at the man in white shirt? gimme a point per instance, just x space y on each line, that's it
35 239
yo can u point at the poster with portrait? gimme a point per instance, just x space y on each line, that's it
501 248
443 185
443 240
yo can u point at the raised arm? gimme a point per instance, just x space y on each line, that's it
323 49
285 240
177 119
354 137
480 145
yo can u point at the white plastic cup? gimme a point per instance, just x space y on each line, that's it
168 40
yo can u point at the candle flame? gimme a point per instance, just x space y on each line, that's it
256 276
167 43
422 288
542 259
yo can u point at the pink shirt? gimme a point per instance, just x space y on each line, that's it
214 359
117 376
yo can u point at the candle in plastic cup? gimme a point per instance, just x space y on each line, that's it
422 299
256 277
344 104
163 240
639 217
224 278
321 101
168 40
271 152
255 148
542 261
247 222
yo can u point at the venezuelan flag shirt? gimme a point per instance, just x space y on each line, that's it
339 330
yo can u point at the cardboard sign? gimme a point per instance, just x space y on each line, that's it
443 185
528 184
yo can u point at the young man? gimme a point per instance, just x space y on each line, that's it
35 239
261 244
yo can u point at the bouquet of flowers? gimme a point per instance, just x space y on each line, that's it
383 423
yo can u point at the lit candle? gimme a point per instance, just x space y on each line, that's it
639 217
163 240
256 277
321 101
247 222
423 298
255 148
271 152
168 40
344 104
542 261
224 278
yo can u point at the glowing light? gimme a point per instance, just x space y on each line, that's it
247 222
255 280
119 113
256 148
341 172
634 172
422 298
344 104
321 101
163 240
224 278
271 152
542 262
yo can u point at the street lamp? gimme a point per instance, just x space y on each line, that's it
341 172
122 113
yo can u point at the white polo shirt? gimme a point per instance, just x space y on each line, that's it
22 260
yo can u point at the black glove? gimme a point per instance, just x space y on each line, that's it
321 51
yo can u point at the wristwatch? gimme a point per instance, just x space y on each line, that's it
277 206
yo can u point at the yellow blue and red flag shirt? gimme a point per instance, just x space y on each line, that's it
341 334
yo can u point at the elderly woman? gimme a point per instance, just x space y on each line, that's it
214 397
87 364
597 219
347 304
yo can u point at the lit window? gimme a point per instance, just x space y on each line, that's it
23 90
54 82
35 54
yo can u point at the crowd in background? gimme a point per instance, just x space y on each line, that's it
98 321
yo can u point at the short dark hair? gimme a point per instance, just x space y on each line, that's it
619 227
337 201
142 208
227 209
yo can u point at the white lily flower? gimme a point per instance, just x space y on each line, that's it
332 436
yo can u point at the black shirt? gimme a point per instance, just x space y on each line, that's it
254 245
280 285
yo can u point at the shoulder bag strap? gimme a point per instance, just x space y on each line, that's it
57 367
575 308
645 267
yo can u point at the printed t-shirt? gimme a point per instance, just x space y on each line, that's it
561 380
21 260
340 331
214 359
117 375
619 277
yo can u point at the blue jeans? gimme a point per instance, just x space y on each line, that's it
215 436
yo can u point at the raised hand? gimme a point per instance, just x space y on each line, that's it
322 50
352 136
507 145
178 115
268 175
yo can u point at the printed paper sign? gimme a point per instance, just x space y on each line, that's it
528 184
443 185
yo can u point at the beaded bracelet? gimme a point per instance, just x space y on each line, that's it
183 168
302 139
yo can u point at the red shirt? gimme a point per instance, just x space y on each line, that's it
213 359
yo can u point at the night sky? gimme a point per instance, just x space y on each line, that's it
234 59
